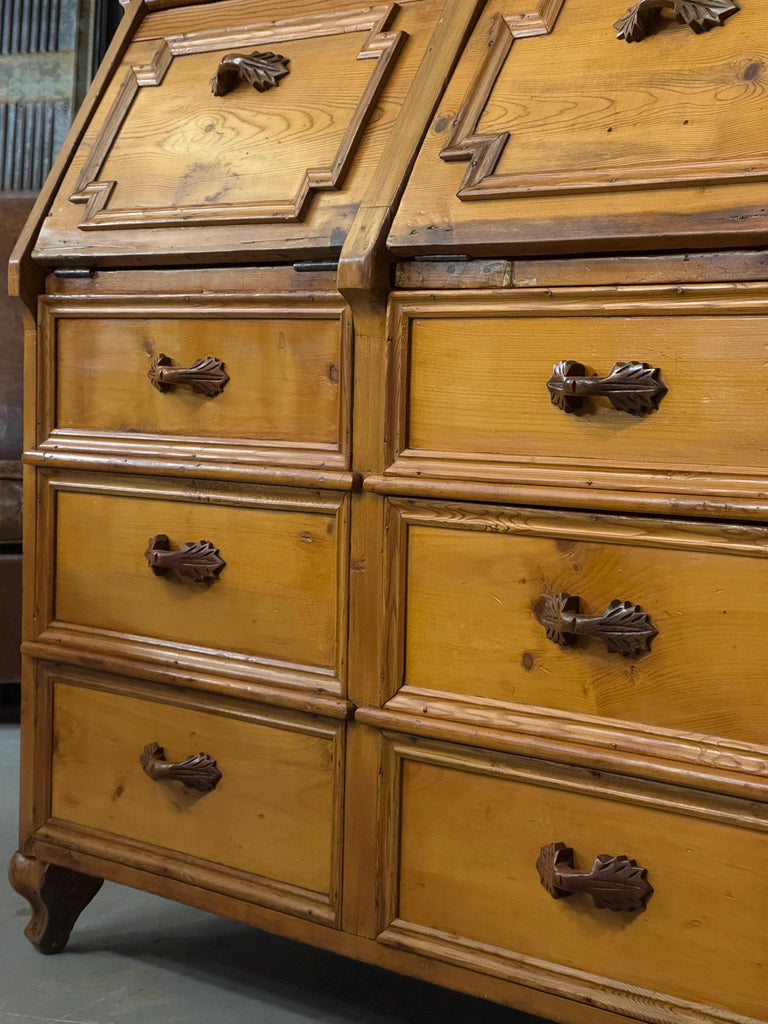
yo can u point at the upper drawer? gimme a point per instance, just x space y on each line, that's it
229 127
578 140
530 387
251 382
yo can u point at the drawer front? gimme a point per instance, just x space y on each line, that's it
264 801
480 587
487 392
266 383
265 593
464 883
556 133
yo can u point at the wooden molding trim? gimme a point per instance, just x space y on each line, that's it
483 152
380 45
601 993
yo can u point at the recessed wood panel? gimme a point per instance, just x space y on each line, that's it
470 576
466 886
579 140
473 399
286 399
272 814
278 603
167 167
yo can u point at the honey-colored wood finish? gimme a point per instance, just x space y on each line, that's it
245 175
278 609
272 814
287 399
301 520
464 885
470 575
577 141
471 399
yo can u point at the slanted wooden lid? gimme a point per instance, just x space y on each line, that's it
271 163
559 134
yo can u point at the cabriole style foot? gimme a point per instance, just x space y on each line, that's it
57 895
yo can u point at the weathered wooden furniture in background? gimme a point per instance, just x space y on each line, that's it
397 475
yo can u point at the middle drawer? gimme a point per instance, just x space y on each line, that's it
234 580
606 617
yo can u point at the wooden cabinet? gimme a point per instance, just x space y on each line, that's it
397 533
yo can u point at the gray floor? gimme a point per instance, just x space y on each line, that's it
138 959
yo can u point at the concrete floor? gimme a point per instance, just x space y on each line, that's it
139 959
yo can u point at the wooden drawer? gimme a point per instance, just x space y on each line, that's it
167 168
269 806
275 611
475 375
466 583
462 884
554 135
276 390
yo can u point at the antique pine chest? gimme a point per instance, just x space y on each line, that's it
397 492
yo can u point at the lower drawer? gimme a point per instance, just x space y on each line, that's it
246 801
461 847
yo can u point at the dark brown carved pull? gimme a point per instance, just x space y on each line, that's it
700 15
206 376
623 627
614 883
261 70
199 772
630 387
196 562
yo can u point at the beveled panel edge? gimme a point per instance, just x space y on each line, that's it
674 765
205 669
115 454
699 495
158 860
608 528
599 992
741 764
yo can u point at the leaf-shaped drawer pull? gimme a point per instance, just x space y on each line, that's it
630 387
205 376
262 70
195 562
700 15
614 883
199 771
623 627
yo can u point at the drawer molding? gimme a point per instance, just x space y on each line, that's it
267 892
692 760
599 992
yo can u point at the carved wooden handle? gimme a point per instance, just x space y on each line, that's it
198 772
206 376
630 387
623 627
700 15
614 883
261 70
196 562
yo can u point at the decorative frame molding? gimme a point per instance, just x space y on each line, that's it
483 152
380 45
